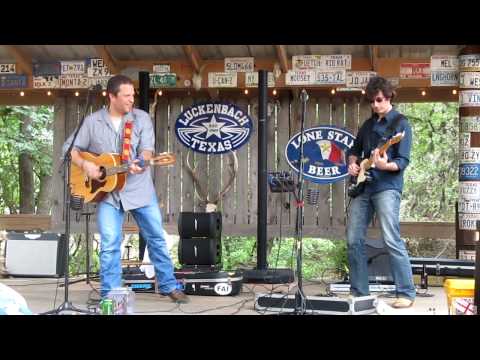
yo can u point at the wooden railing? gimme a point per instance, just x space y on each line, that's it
433 230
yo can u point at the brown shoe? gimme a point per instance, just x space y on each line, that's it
178 297
402 303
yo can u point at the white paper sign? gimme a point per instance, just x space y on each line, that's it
321 62
161 68
359 79
470 123
46 82
469 62
469 80
240 64
72 67
469 156
469 189
222 80
251 79
73 81
444 77
468 221
469 98
444 62
464 140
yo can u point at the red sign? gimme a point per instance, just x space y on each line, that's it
415 71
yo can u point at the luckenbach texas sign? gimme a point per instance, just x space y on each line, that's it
213 128
324 152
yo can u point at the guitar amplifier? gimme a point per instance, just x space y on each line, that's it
198 225
200 251
35 254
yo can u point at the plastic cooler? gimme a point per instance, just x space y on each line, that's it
458 288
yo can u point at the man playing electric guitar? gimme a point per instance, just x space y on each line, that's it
127 131
381 194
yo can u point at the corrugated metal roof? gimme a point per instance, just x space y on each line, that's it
48 53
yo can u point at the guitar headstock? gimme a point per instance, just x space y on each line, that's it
163 159
397 138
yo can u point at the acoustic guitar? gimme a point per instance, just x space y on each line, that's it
114 174
357 183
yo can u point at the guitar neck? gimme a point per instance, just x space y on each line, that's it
382 150
123 168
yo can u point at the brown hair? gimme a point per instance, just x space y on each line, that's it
377 84
113 85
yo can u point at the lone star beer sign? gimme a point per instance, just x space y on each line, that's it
213 128
324 152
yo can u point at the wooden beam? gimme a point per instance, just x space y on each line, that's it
193 57
373 49
103 52
23 60
282 57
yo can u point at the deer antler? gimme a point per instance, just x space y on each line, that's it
232 169
199 190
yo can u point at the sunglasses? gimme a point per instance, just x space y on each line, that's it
378 100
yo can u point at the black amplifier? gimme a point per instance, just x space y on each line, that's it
200 251
210 283
195 225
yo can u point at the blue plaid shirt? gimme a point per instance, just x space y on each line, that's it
372 134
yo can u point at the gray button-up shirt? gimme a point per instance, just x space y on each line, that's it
98 135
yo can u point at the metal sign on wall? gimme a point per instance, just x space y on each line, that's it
213 128
325 149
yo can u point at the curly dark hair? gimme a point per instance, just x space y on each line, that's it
377 84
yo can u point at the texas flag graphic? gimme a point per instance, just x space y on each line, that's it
331 152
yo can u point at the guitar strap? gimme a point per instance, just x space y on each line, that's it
127 136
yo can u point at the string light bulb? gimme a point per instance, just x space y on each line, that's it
454 91
246 91
332 91
274 92
363 92
22 93
77 93
104 93
49 93
160 92
424 93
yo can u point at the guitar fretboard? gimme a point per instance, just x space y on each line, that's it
122 168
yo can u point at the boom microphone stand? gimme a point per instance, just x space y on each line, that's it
300 298
67 160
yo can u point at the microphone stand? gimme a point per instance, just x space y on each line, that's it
67 160
300 298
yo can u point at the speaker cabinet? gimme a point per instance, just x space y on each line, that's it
200 225
35 254
200 251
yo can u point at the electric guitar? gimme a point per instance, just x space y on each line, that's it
114 174
357 183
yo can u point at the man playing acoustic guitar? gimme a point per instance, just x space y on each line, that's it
121 129
381 193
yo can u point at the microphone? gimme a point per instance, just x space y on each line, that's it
304 95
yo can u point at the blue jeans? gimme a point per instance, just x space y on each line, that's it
387 206
149 221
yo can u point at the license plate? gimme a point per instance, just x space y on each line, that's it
13 81
444 62
469 80
359 79
469 189
163 80
332 77
468 221
469 172
464 140
227 80
46 82
251 79
73 81
46 69
469 62
321 62
300 77
414 71
161 68
98 72
241 64
72 67
469 206
444 78
470 123
471 155
469 98
98 81
7 69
